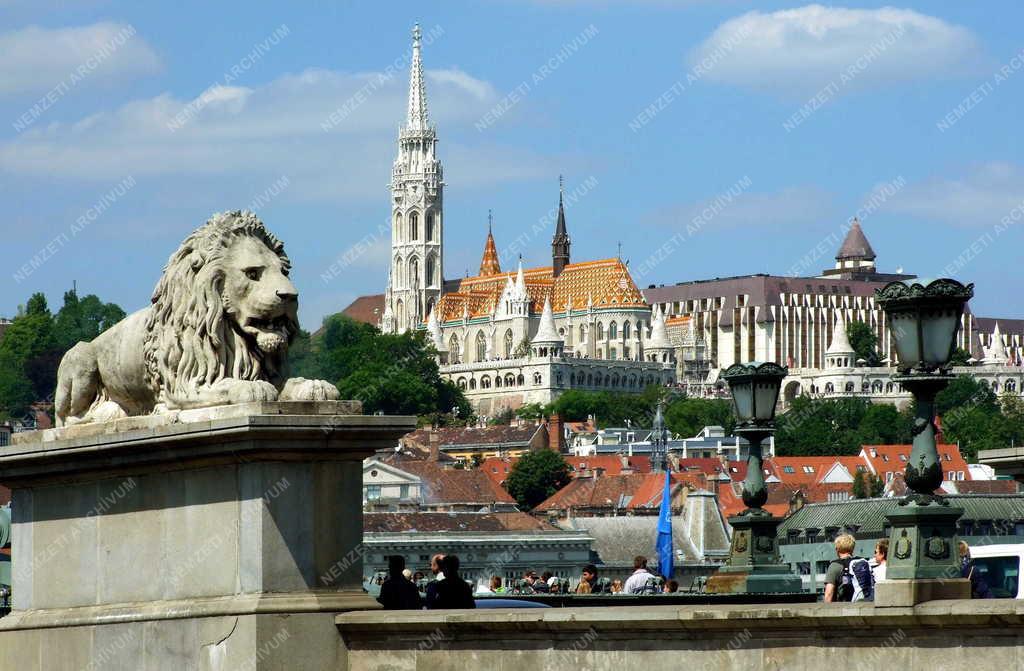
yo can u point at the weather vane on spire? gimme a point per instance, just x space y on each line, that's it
416 33
490 220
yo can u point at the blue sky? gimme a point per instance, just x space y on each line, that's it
780 120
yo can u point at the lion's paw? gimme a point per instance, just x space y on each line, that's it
301 389
249 391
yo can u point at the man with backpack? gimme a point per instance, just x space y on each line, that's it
848 578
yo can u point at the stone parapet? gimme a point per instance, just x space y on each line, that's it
935 635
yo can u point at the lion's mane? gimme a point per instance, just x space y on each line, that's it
191 340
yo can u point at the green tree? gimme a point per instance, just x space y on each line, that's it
81 320
687 416
867 485
960 357
16 392
537 476
533 411
29 342
864 342
503 417
821 427
389 373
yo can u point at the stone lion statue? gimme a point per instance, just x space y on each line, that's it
222 317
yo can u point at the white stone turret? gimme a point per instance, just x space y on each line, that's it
436 338
840 353
547 342
515 299
995 354
659 347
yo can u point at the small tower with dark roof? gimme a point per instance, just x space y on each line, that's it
855 259
856 254
560 243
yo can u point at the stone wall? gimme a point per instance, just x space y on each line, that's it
852 637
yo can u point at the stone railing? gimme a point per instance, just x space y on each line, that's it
933 635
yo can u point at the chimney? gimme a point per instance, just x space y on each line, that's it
435 446
556 435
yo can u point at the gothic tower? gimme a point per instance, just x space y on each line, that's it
417 224
560 242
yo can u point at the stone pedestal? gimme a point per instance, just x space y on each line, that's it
924 560
923 542
754 565
217 538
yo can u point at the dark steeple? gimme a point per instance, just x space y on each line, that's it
560 243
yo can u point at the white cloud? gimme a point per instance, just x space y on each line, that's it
259 134
736 207
803 49
34 59
980 197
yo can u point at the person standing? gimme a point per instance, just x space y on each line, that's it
637 583
979 586
397 592
881 558
435 568
845 543
452 592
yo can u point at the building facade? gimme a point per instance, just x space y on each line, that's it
508 338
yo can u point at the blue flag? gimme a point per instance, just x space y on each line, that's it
666 554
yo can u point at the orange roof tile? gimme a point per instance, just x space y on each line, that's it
489 264
606 282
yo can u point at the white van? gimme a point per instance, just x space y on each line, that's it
1000 566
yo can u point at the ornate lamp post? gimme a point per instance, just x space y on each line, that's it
924 317
659 440
753 557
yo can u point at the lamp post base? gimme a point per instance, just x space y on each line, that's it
923 542
754 565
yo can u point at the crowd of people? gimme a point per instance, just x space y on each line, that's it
405 590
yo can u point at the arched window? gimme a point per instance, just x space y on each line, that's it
398 226
558 379
462 383
431 263
414 272
520 380
430 226
600 330
472 384
481 346
829 388
583 333
876 387
865 386
537 378
627 329
995 387
1011 385
888 388
398 267
497 380
414 226
454 349
848 388
613 331
508 344
510 380
400 313
485 382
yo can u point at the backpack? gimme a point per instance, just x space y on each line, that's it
856 583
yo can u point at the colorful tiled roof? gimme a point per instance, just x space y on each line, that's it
489 264
461 436
607 283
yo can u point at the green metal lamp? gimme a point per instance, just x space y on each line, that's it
924 317
755 390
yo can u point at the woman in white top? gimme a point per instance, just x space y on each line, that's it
881 555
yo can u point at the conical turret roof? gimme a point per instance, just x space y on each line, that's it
856 245
840 340
547 333
659 334
489 264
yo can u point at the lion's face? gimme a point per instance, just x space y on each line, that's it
257 294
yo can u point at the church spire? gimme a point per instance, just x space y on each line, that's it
489 264
417 117
560 243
